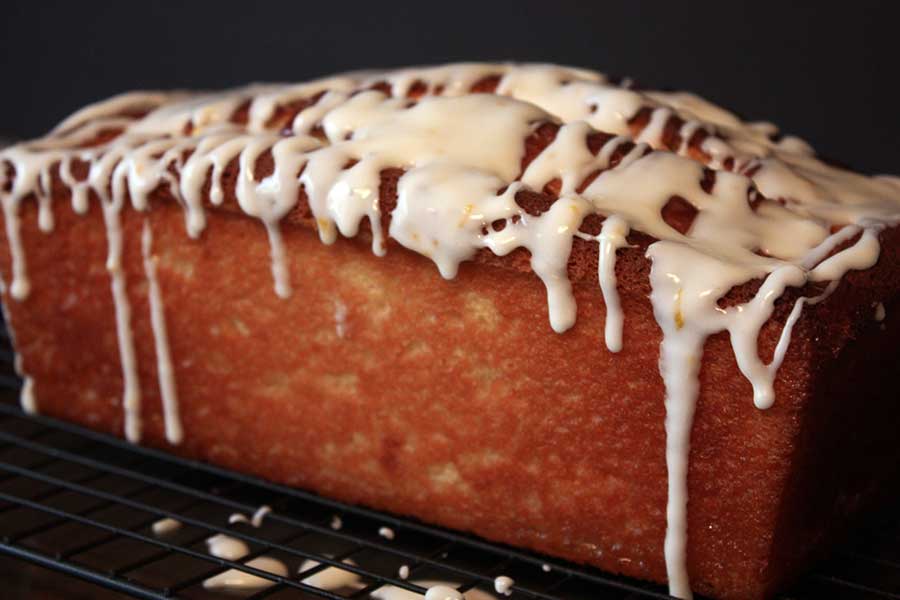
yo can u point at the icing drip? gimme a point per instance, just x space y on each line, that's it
131 397
611 238
386 532
679 363
26 396
19 286
725 203
164 369
27 399
279 261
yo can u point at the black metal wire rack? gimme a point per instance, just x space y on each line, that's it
84 503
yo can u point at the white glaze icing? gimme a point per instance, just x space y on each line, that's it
164 370
503 585
165 526
403 572
386 532
227 547
336 523
331 578
236 580
546 568
767 215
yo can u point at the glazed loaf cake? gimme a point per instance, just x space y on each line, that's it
720 411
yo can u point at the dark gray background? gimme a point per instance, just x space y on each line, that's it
824 73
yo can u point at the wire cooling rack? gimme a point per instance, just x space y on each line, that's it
84 503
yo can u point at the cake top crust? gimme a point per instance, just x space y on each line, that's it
493 157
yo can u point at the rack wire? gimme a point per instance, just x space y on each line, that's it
84 503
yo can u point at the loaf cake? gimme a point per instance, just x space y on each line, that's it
247 277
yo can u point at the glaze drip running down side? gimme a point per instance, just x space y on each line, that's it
466 142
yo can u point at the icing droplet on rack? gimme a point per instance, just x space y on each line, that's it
443 592
227 547
257 518
233 579
331 578
386 532
165 527
503 585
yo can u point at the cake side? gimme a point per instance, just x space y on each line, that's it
846 463
439 401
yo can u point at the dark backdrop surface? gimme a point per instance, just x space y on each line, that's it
821 72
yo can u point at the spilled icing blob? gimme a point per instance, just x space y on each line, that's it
233 579
331 578
443 592
723 202
165 526
503 585
436 590
386 532
227 547
233 549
